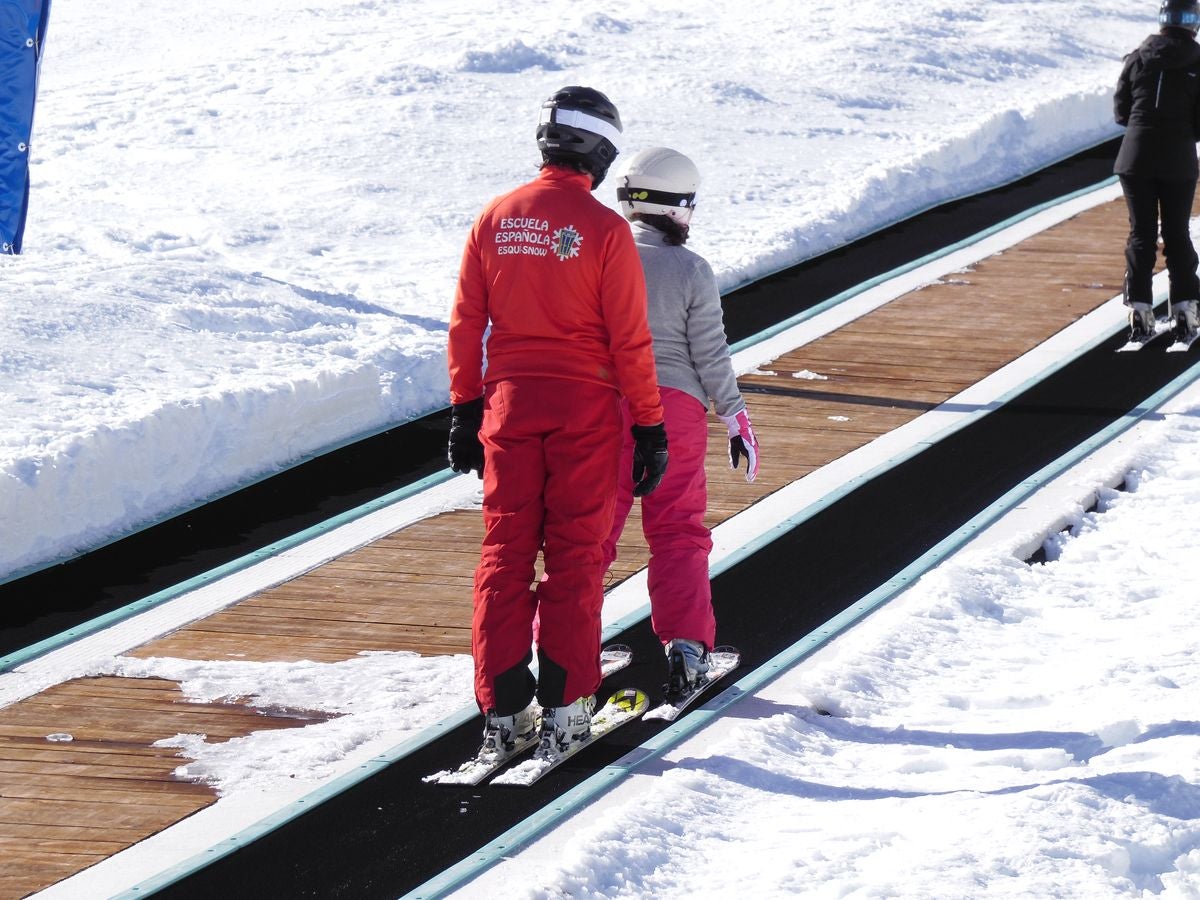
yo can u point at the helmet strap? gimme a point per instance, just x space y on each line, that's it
627 194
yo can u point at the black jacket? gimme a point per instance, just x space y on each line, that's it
1158 102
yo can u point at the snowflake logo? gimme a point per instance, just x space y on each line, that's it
566 243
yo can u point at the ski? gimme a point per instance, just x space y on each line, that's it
721 662
1182 344
623 707
613 658
485 761
1161 327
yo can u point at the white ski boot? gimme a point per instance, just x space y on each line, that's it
503 735
1187 320
565 725
1141 322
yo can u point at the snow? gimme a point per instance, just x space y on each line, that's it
999 729
406 687
246 221
244 229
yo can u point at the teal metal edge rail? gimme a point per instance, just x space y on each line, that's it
372 432
914 264
296 808
184 508
670 736
704 714
18 657
542 821
25 654
884 226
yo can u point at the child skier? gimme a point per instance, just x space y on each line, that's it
657 193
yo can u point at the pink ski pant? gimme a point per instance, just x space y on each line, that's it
673 522
550 453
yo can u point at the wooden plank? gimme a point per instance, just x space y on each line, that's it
19 878
336 609
180 796
41 847
428 565
18 832
67 805
52 705
14 771
101 731
144 817
430 642
82 752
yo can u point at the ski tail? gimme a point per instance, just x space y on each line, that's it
614 658
721 661
1185 327
1142 339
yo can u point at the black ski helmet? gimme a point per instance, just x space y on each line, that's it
579 126
1180 14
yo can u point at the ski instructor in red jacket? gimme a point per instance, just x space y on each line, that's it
556 276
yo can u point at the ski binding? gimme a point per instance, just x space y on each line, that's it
613 658
1161 327
1183 340
623 707
721 662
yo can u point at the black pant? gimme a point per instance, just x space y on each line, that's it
1147 198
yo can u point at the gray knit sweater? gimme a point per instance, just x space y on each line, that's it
690 351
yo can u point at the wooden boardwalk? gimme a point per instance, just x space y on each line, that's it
65 805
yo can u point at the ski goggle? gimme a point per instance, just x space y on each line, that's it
662 198
1189 19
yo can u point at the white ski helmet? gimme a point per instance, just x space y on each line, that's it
659 181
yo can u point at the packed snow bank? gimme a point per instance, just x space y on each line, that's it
187 448
228 222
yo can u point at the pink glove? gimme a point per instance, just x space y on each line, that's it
742 442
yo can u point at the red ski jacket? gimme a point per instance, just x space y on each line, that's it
558 277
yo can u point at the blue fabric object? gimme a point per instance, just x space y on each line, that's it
22 33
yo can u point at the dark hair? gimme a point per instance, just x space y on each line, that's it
565 162
675 234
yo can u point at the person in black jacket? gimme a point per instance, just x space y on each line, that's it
1158 102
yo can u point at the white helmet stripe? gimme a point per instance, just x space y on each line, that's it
576 118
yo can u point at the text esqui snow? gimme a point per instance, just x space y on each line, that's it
721 662
623 707
613 658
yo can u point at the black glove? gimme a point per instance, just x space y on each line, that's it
465 451
649 457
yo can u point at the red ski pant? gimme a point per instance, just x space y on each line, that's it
550 450
673 522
